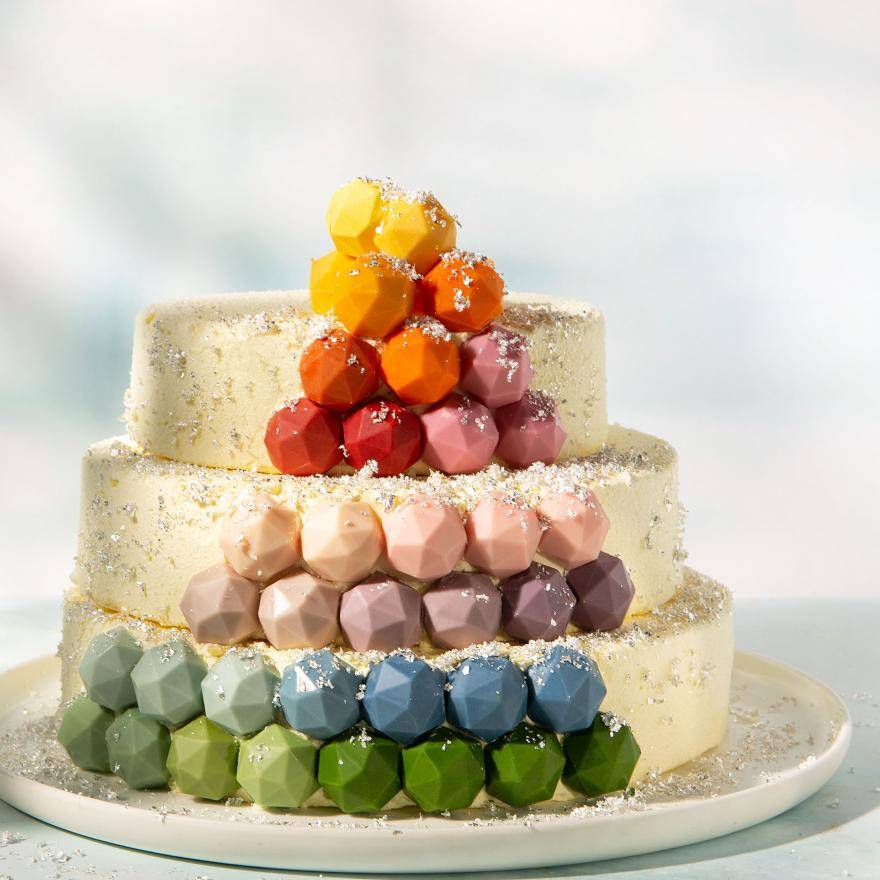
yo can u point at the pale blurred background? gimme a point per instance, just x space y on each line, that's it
705 173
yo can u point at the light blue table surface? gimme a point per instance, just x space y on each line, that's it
836 833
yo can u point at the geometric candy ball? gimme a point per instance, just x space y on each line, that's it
319 695
565 690
536 604
82 733
574 528
524 766
341 541
602 758
260 538
276 768
495 367
424 538
221 606
168 682
404 698
239 692
138 749
462 609
529 431
105 668
300 611
486 696
604 592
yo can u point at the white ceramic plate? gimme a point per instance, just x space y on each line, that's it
787 737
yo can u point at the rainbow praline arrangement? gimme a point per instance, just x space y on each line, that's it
407 366
410 319
440 736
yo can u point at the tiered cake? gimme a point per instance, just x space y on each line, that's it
375 544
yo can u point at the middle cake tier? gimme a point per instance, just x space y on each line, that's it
148 524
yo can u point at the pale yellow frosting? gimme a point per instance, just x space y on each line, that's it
207 373
147 525
667 672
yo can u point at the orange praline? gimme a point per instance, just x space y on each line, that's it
420 363
339 370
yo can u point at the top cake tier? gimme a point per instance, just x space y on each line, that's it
208 373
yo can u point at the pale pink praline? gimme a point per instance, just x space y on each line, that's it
341 541
260 538
574 528
220 606
502 537
424 538
300 611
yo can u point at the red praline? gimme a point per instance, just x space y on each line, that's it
303 438
385 433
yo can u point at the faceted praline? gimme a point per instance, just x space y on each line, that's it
300 611
465 291
460 435
602 758
359 770
404 698
319 695
495 367
529 431
324 275
106 666
276 768
574 528
444 771
382 436
354 212
303 438
604 592
565 690
462 609
339 370
375 296
424 538
260 538
239 692
221 606
203 760
138 750
502 537
420 362
524 766
168 682
415 227
486 696
536 604
82 733
381 614
341 541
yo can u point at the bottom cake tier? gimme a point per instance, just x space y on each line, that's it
667 672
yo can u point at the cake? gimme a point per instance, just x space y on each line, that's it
374 545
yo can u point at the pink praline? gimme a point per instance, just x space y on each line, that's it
495 367
460 435
529 431
424 538
502 537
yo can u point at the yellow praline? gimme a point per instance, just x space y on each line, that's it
416 228
354 212
324 279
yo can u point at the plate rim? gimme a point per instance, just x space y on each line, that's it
409 834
